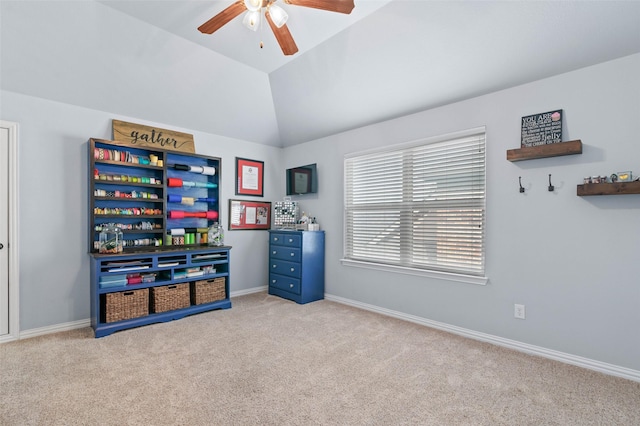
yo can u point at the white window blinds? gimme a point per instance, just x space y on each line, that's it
420 206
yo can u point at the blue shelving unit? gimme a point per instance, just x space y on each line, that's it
167 265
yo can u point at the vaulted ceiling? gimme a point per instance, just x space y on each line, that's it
387 59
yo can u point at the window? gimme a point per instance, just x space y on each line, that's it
419 206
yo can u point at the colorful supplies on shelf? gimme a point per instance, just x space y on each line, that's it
176 182
148 278
204 170
134 279
108 281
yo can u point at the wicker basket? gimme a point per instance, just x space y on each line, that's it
207 291
126 305
169 297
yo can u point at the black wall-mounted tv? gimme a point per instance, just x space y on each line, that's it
302 180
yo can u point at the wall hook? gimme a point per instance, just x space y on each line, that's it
520 182
551 187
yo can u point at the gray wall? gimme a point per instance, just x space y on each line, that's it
53 207
68 69
573 261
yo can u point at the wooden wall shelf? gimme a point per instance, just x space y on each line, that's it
618 188
543 151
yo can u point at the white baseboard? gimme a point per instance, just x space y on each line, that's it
248 291
6 338
41 331
26 334
602 367
579 361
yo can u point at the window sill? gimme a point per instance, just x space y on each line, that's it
469 279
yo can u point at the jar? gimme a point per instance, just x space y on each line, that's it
110 239
215 236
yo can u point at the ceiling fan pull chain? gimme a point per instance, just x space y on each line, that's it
262 28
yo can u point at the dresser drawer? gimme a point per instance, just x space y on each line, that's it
284 239
284 253
282 267
289 284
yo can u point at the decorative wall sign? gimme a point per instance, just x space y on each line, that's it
541 129
138 135
249 214
249 177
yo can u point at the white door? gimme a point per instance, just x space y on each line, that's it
9 277
4 231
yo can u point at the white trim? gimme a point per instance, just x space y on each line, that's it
248 291
469 279
67 326
602 367
6 338
41 331
13 246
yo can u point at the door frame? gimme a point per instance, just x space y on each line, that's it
14 252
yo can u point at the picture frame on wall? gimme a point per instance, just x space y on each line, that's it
249 177
301 180
249 215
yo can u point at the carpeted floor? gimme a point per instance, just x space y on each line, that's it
268 361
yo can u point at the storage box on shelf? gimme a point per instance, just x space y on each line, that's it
207 291
164 202
169 296
125 305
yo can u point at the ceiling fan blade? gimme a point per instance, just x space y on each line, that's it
215 23
340 6
284 37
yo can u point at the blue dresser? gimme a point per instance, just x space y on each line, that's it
296 265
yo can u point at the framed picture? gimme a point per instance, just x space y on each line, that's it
249 177
301 180
244 214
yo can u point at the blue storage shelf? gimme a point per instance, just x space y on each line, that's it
105 265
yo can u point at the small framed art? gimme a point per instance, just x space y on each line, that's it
244 214
249 177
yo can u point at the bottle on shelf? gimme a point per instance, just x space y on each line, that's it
110 239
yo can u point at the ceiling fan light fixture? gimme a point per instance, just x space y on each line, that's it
252 20
278 15
253 5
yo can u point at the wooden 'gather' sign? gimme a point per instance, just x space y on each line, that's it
131 134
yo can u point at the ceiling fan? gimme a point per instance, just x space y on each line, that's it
275 16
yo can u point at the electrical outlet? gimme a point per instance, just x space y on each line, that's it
518 311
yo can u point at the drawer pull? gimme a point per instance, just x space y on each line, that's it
275 238
273 281
274 252
274 266
290 240
293 269
292 254
290 285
